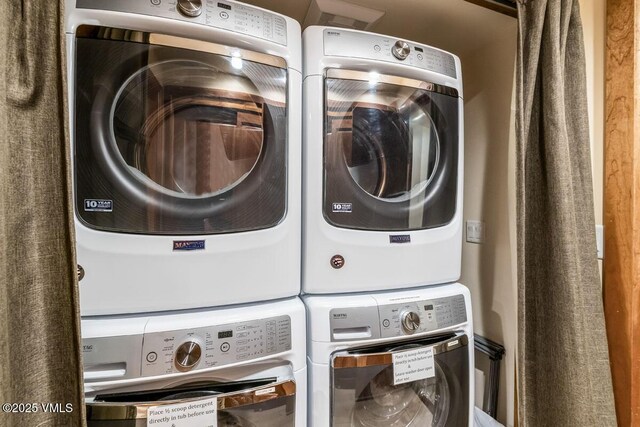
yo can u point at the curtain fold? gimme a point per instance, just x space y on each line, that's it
40 361
564 377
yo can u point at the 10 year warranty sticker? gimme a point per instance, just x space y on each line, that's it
413 365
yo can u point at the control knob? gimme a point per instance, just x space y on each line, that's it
187 356
401 50
190 8
410 321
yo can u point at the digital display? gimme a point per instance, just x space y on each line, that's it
224 6
419 49
428 307
225 334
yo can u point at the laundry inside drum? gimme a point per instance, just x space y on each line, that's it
418 403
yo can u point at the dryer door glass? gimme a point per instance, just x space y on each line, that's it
390 152
377 387
177 137
254 403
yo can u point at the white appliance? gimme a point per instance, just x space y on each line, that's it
382 162
186 126
242 365
400 358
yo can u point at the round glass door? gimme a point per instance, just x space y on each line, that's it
390 151
388 140
367 391
195 137
173 140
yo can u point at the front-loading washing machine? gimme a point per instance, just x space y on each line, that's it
399 358
382 162
186 126
238 366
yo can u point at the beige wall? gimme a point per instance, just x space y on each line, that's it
489 269
594 22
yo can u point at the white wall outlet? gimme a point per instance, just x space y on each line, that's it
475 231
600 241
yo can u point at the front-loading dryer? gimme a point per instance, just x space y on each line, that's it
186 125
400 358
232 366
382 162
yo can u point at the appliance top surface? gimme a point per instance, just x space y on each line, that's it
225 14
346 43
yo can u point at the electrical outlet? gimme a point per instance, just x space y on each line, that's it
475 231
600 241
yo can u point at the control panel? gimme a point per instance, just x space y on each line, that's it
231 16
191 349
370 46
397 319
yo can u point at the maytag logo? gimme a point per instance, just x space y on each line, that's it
333 33
339 315
98 205
188 245
341 207
87 348
400 238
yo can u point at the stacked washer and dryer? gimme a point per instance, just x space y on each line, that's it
390 337
185 119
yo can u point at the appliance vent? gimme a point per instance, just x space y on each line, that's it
339 13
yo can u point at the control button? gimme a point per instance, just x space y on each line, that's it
156 2
190 8
377 48
401 50
224 15
386 323
410 321
152 357
187 356
420 57
225 347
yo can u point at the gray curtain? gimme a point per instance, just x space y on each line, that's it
564 378
39 322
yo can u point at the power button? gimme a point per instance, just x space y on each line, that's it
152 357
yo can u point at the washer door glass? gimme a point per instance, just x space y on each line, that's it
390 152
177 140
366 391
254 403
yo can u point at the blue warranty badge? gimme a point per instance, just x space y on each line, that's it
188 245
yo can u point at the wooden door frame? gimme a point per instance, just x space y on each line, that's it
621 268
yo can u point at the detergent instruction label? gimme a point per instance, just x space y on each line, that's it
413 365
201 413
